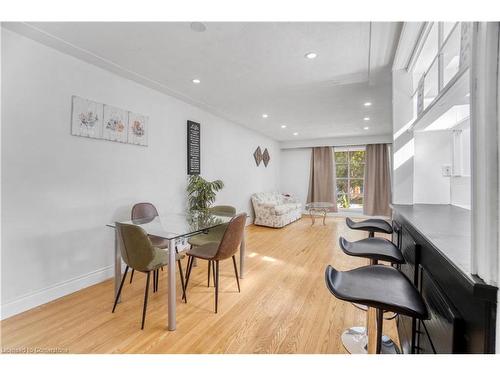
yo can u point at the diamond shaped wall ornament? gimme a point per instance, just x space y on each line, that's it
257 156
266 157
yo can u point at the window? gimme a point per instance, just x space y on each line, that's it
437 62
350 168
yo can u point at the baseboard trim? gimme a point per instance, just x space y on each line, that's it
48 294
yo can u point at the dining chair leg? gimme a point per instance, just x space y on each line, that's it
213 271
120 289
208 278
145 301
216 284
179 263
154 281
188 273
236 273
131 276
157 279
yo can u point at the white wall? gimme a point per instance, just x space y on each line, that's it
460 191
295 172
403 143
432 151
402 115
59 191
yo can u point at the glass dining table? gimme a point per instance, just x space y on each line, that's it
176 228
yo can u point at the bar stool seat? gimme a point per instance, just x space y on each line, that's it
370 225
375 248
380 287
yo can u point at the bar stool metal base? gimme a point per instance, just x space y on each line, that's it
355 341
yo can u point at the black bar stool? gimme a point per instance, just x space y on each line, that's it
371 226
381 287
375 249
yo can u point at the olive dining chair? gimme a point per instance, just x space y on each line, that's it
146 210
213 235
219 250
139 254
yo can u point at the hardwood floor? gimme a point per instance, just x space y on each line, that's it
283 307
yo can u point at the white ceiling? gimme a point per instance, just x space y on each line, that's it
247 69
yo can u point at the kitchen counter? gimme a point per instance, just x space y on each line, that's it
446 227
435 241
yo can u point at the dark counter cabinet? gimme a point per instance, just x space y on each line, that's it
462 308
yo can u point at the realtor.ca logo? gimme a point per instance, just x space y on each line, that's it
34 350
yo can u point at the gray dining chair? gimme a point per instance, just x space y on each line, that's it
146 210
217 251
213 235
139 254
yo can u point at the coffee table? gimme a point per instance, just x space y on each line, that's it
319 207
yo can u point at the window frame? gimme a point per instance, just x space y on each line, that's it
348 178
442 44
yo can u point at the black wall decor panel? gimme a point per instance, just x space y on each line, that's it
193 148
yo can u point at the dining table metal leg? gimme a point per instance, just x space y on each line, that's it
242 257
118 266
171 285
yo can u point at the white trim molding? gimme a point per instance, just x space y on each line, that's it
411 33
484 151
337 141
45 295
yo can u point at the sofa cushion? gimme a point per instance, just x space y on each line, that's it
283 209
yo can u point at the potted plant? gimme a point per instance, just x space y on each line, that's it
201 193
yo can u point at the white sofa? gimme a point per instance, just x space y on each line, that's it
275 210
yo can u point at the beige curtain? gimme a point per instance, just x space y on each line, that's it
322 185
377 193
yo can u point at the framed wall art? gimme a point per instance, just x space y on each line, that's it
137 129
86 118
115 124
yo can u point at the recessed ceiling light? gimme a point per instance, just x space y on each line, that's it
366 118
311 55
265 115
367 104
366 128
295 133
196 80
283 126
199 27
468 94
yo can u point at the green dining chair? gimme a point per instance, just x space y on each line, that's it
140 255
146 210
216 251
213 235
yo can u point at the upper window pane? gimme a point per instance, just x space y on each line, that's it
427 54
431 83
451 55
341 170
357 156
447 27
357 170
340 157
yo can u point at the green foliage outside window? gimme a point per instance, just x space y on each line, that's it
350 169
